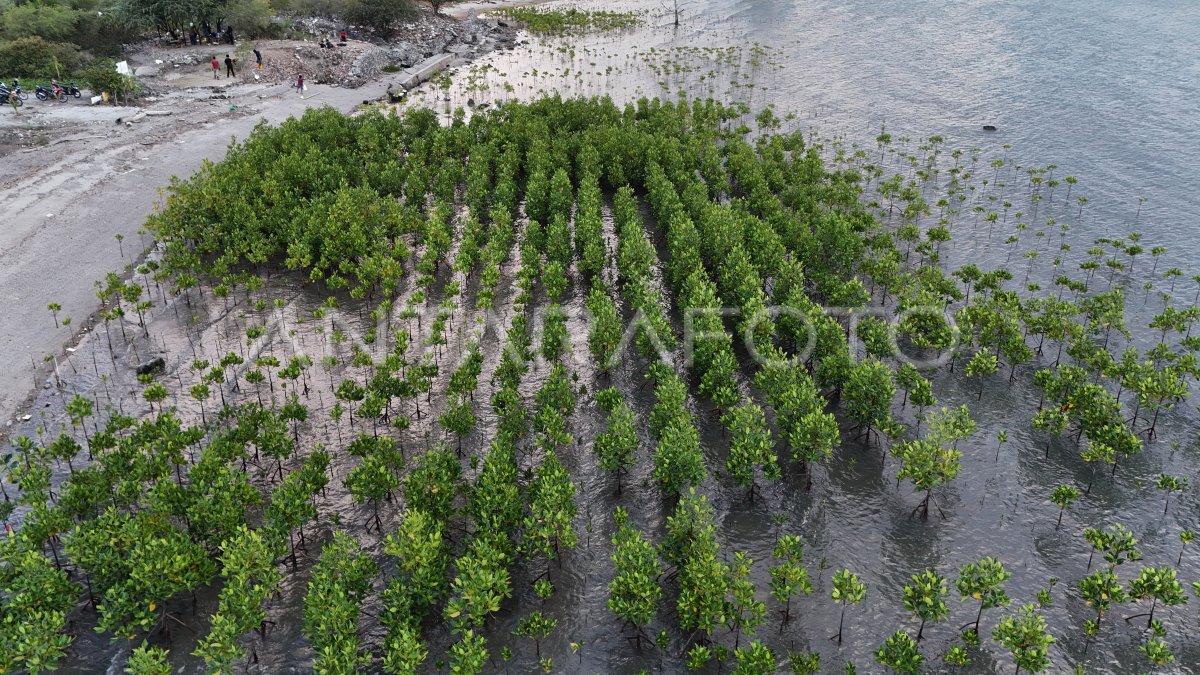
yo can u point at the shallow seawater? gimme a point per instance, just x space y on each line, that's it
1100 89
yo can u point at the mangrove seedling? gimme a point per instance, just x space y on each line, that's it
926 598
536 626
634 592
1159 585
983 581
1099 591
789 576
900 653
1063 496
1169 484
1157 651
1025 635
744 612
847 589
754 659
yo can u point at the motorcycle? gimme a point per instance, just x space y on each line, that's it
9 97
16 89
70 89
47 93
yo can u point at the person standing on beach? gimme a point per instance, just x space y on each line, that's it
258 58
216 66
300 83
228 66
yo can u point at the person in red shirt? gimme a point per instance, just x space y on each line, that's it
216 66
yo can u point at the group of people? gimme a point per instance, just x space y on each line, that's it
206 34
327 43
229 69
229 61
258 59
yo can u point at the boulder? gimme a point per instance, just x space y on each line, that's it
154 365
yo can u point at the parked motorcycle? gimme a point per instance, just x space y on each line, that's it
70 89
8 97
16 89
47 93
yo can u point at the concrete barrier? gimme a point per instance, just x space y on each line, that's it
425 70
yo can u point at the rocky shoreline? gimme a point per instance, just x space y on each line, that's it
462 40
363 58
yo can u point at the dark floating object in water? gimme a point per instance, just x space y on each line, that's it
989 127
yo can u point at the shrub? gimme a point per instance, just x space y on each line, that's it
379 15
102 75
51 22
33 57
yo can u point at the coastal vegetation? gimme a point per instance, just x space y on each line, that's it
567 21
429 372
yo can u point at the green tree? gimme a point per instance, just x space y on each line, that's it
616 445
458 418
1025 635
1063 496
250 577
155 393
900 653
481 584
1157 651
371 482
339 582
789 577
927 465
33 612
678 460
1157 584
635 592
421 554
148 660
469 655
604 327
432 484
868 394
535 626
1099 591
804 663
1169 484
555 340
982 364
550 525
926 598
381 15
983 581
744 612
754 659
403 651
847 589
750 445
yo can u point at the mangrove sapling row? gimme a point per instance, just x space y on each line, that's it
414 224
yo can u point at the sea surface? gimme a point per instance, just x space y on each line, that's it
1109 90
